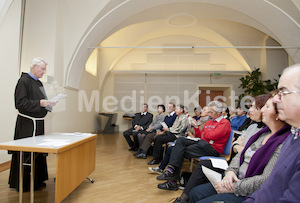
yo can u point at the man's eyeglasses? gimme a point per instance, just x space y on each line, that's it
281 93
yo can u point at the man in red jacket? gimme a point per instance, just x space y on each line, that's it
212 141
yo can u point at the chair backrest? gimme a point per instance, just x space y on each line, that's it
227 149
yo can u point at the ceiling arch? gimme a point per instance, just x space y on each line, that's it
138 34
267 18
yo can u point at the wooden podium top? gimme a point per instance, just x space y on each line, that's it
50 143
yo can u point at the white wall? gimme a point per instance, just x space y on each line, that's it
9 40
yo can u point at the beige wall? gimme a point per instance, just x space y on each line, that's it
9 40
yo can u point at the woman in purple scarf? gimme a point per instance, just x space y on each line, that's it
250 168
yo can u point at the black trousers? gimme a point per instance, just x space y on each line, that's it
198 177
187 148
127 134
158 144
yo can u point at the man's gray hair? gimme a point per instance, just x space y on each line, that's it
37 61
218 106
181 107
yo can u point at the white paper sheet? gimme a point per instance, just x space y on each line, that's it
76 134
193 138
219 163
211 175
58 97
54 142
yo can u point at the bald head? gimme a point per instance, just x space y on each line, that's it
287 102
294 69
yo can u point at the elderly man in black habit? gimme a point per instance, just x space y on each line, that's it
32 103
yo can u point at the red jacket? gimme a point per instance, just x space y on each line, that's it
215 133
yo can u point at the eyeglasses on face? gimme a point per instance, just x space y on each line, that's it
281 93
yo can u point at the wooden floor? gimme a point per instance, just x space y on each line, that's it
119 177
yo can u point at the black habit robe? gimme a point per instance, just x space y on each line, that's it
28 94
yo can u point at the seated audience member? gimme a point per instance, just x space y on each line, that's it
246 123
155 125
204 118
256 123
225 113
198 176
190 133
238 120
197 111
186 113
284 182
213 139
169 120
170 134
250 168
232 113
140 122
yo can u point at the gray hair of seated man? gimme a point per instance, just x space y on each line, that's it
218 106
181 107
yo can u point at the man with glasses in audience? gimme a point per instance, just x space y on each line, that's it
284 182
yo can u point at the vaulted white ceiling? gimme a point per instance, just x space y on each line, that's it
207 18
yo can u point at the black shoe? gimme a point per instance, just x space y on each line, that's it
153 161
168 186
141 156
167 175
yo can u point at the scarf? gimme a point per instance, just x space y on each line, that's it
262 156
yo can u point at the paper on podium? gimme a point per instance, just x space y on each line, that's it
58 97
164 125
211 175
54 142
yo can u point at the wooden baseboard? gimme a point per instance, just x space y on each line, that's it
4 166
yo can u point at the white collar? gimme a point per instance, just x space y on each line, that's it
144 113
172 113
219 119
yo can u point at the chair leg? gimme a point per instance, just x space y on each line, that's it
165 150
92 181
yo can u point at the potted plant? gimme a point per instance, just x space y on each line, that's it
254 85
